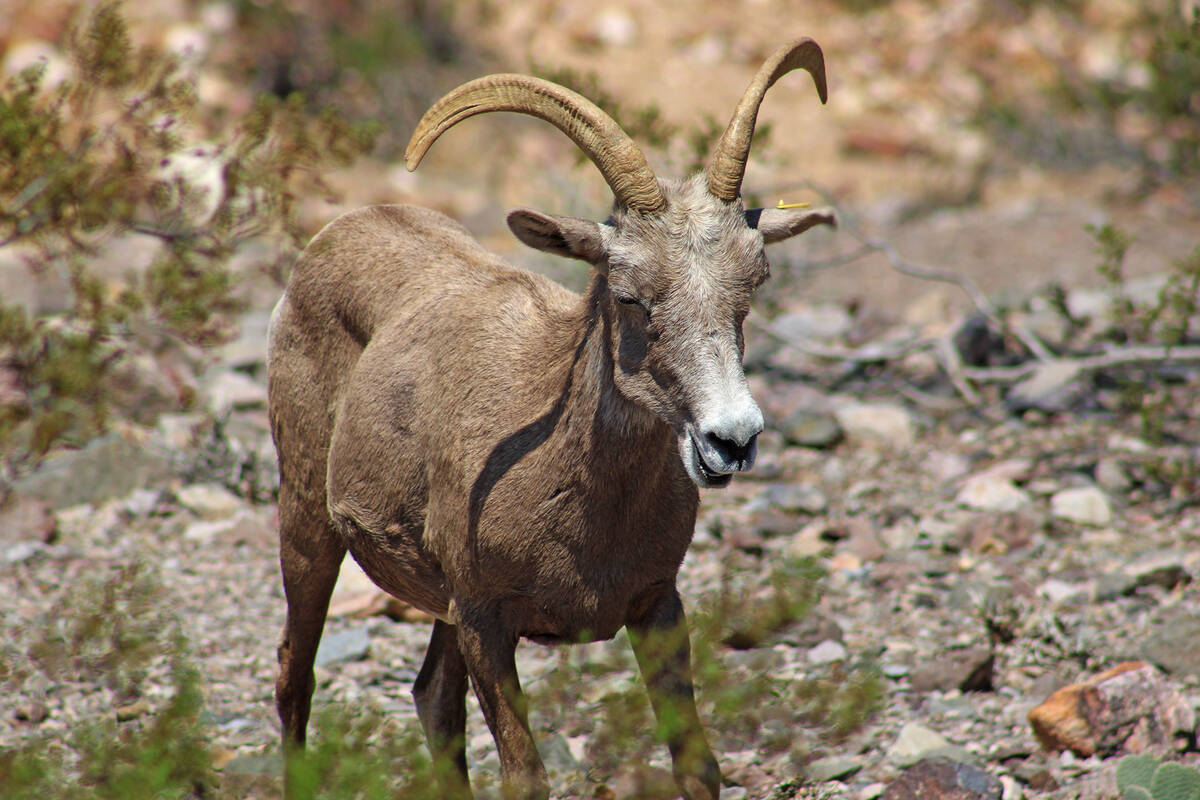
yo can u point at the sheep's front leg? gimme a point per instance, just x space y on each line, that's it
660 643
489 648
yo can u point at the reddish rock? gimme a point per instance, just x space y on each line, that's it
943 779
1130 708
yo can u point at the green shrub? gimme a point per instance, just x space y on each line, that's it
125 150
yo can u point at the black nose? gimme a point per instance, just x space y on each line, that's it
731 452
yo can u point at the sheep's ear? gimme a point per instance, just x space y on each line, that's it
777 224
563 236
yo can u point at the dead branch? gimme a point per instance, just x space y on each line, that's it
1117 357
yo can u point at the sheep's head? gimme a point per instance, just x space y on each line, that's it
680 260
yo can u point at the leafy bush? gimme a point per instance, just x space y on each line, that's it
121 152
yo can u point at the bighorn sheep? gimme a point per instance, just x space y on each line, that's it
515 459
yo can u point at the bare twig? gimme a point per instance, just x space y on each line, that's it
868 354
1118 357
906 267
952 362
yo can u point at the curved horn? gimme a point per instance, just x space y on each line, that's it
596 133
728 163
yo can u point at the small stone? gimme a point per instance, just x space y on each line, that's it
863 540
827 652
141 502
133 710
351 644
246 527
968 670
999 533
221 757
1111 475
1054 387
556 753
258 764
249 349
832 768
942 779
1164 571
209 500
792 497
106 468
20 552
1129 708
986 492
845 562
807 428
233 391
27 519
34 712
871 791
819 322
945 466
1087 505
1010 789
1174 644
877 423
1057 591
913 743
808 542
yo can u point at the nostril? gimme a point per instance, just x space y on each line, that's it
730 451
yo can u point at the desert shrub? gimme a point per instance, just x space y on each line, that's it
123 150
115 630
1145 110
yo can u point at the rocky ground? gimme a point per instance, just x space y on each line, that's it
979 559
981 549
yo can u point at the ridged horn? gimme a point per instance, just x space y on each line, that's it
618 158
728 164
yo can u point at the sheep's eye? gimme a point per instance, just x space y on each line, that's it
630 300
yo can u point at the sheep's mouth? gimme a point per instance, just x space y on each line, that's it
710 478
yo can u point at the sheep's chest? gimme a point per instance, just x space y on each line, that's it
574 571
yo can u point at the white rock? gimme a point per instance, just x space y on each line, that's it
209 500
991 493
879 423
140 502
913 742
871 791
827 652
807 542
1060 591
1087 506
229 390
822 322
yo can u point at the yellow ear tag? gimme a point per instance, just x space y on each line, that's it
782 205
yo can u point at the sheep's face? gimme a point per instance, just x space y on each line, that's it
679 285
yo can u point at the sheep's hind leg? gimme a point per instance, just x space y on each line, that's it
440 694
660 642
310 554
